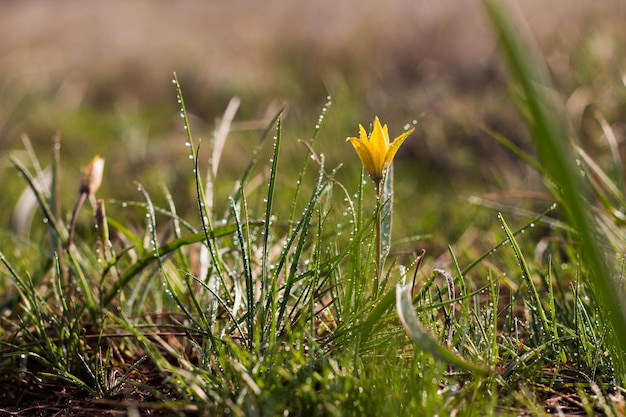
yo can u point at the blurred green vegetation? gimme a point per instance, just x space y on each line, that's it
447 159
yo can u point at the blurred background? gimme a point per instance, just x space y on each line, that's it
100 73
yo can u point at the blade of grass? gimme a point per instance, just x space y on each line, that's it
537 307
548 130
517 151
42 199
310 154
506 240
164 250
302 229
237 194
269 280
243 240
425 341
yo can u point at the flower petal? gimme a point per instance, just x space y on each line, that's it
363 134
386 136
363 151
395 145
379 144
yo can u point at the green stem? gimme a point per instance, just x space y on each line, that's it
379 266
81 200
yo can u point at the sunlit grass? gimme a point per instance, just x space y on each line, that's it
263 288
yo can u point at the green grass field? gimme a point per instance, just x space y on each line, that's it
240 263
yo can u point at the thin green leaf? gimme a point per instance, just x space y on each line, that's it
425 341
164 250
386 215
526 276
549 132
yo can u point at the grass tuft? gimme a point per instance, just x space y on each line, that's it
285 285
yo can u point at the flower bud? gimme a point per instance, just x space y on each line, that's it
92 176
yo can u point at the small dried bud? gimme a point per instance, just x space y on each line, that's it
92 176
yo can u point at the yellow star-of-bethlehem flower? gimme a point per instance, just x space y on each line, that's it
375 151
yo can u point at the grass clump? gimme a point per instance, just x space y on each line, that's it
287 297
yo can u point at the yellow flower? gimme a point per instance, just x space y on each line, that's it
375 151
